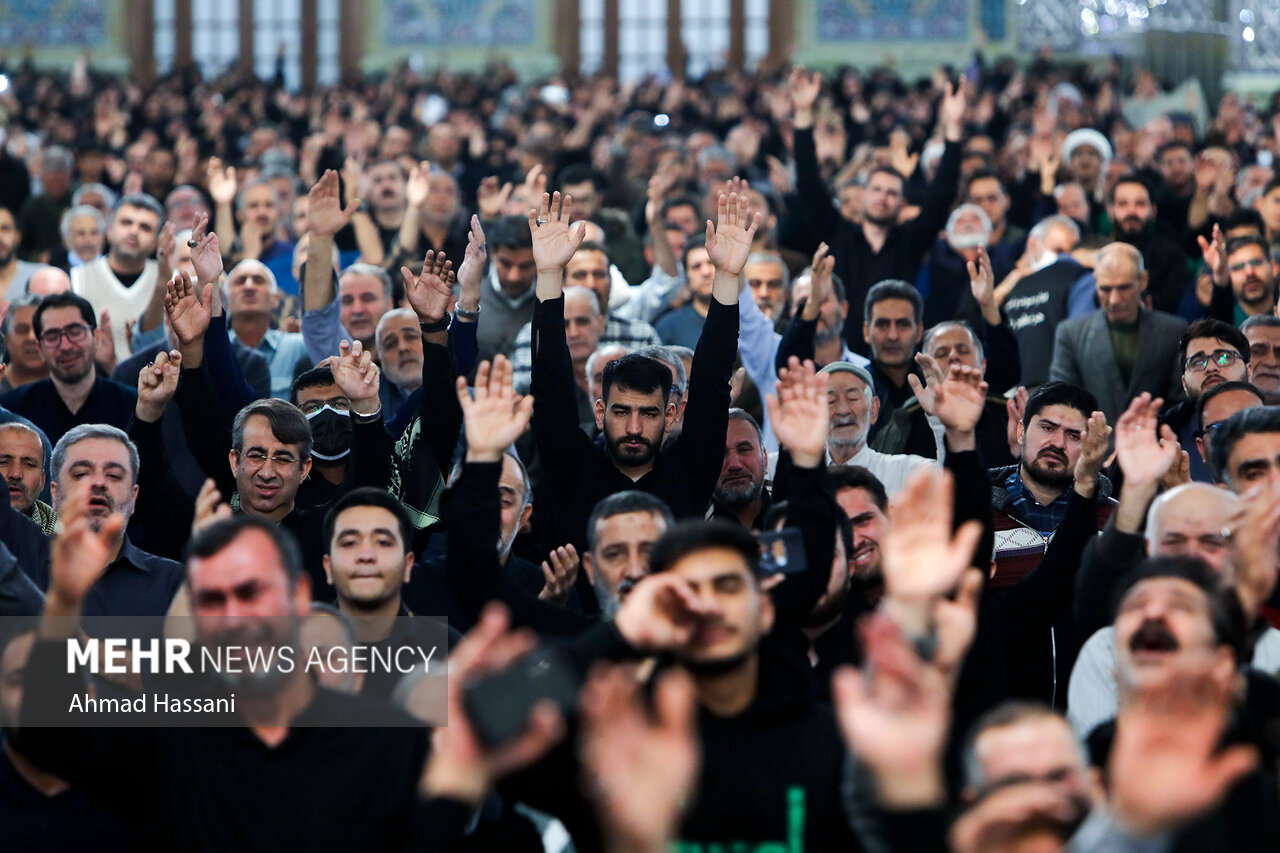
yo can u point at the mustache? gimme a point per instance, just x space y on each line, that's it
1054 453
1153 634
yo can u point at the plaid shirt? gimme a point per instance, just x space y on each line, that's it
631 334
1025 508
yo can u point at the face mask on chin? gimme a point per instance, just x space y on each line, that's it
330 434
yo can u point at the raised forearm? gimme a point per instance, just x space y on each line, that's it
317 282
224 224
726 287
367 239
550 285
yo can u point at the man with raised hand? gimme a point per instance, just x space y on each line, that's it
635 409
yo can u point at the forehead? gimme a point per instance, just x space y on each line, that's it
130 213
969 218
1264 334
250 556
710 563
762 270
358 282
84 220
893 309
60 316
578 305
620 396
260 193
1167 588
1247 252
986 186
842 381
697 255
855 501
1174 154
1132 193
590 258
1224 405
1063 416
24 313
1194 511
639 526
395 324
312 392
1207 345
257 433
6 218
885 181
951 336
1030 745
385 171
366 518
20 441
1256 445
100 451
740 431
1117 269
248 271
510 476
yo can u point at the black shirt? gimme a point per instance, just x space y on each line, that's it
136 584
31 822
109 402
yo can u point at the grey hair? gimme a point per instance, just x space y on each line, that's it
76 212
139 200
963 209
1041 229
954 324
260 181
369 269
26 300
584 293
717 152
109 196
671 358
600 352
393 314
56 158
1207 492
247 262
1125 249
84 432
1008 713
19 426
771 258
1266 321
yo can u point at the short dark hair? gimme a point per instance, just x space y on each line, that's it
217 536
368 496
694 535
1208 327
1007 713
143 201
510 232
636 373
579 173
66 299
697 241
1127 179
740 414
680 201
1059 394
1225 612
621 503
1257 419
288 424
856 477
1169 146
1242 217
1272 186
894 288
985 175
886 170
1223 388
1235 244
593 246
310 379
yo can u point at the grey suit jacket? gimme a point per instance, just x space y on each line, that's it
1082 355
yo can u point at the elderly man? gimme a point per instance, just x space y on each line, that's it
1263 334
84 233
248 223
123 281
1121 349
968 228
252 297
22 462
595 367
47 281
26 363
1035 301
400 354
769 283
854 408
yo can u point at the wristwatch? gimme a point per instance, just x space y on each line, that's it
463 314
438 326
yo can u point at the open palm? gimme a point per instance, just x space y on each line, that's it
729 239
922 558
497 416
554 242
189 308
430 291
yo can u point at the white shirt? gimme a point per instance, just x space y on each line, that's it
891 469
96 282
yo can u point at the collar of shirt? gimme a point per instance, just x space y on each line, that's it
134 556
1025 508
502 294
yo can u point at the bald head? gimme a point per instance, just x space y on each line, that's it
47 281
1188 521
1121 280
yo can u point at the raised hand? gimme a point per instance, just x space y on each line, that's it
221 182
418 186
460 767
431 290
961 398
351 176
659 185
206 256
1093 451
927 392
325 214
189 308
729 238
640 767
1215 255
80 554
1167 768
895 717
491 197
210 507
982 280
527 194
554 242
1255 543
497 416
1015 406
104 343
805 88
164 252
472 269
951 111
821 271
661 613
356 376
1145 451
560 570
157 383
900 159
800 413
923 559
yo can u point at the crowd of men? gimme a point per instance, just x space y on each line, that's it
884 464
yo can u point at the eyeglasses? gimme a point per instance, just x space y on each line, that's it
1252 263
77 333
1208 429
1220 357
342 404
255 459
